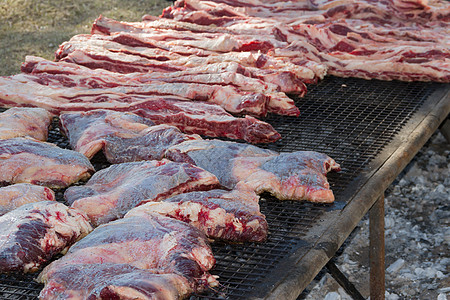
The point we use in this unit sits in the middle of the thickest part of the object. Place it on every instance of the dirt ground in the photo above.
(30, 27)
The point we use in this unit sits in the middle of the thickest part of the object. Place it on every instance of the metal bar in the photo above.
(376, 252)
(445, 129)
(351, 290)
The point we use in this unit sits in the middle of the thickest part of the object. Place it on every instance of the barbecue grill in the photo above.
(371, 128)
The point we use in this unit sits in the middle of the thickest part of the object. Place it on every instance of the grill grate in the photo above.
(351, 120)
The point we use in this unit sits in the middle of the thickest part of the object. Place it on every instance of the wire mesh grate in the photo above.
(351, 120)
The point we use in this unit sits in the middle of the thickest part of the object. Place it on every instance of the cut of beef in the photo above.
(113, 191)
(25, 122)
(152, 242)
(191, 117)
(35, 232)
(299, 175)
(113, 281)
(16, 195)
(25, 160)
(123, 137)
(226, 215)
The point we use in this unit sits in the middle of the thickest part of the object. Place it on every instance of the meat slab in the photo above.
(25, 122)
(113, 191)
(191, 117)
(24, 160)
(16, 195)
(35, 232)
(220, 214)
(113, 281)
(227, 84)
(123, 137)
(298, 175)
(128, 251)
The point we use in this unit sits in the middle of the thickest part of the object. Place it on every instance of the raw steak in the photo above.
(33, 233)
(152, 242)
(113, 191)
(113, 281)
(226, 215)
(16, 195)
(123, 137)
(25, 160)
(298, 175)
(25, 122)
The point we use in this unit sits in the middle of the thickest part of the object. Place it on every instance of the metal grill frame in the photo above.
(299, 241)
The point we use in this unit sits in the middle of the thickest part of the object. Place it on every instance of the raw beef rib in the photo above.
(123, 137)
(25, 122)
(113, 191)
(33, 233)
(220, 214)
(298, 175)
(152, 242)
(16, 195)
(25, 160)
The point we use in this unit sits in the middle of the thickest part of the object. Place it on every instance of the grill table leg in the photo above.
(376, 252)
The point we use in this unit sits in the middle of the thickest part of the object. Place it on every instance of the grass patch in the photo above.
(31, 27)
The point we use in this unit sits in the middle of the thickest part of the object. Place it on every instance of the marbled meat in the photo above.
(299, 175)
(24, 160)
(34, 233)
(116, 250)
(226, 215)
(113, 191)
(123, 137)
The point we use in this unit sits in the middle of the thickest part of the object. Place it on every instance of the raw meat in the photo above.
(235, 77)
(33, 233)
(113, 191)
(25, 122)
(16, 195)
(190, 117)
(152, 242)
(123, 137)
(298, 175)
(113, 281)
(402, 40)
(220, 214)
(25, 160)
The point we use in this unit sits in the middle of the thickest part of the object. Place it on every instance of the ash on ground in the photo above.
(417, 235)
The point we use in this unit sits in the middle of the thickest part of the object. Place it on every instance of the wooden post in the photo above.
(376, 231)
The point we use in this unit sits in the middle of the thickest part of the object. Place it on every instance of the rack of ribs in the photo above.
(113, 191)
(198, 117)
(226, 215)
(123, 137)
(25, 122)
(128, 251)
(35, 232)
(24, 160)
(16, 195)
(299, 175)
